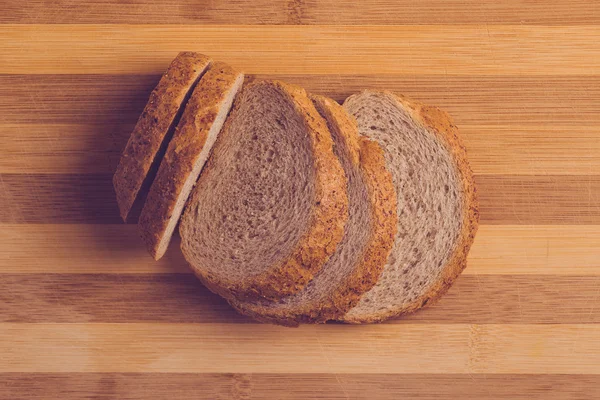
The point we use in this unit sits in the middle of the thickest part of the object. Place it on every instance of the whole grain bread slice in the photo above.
(270, 207)
(368, 235)
(186, 154)
(155, 128)
(437, 204)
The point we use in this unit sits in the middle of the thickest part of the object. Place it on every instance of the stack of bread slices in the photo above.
(294, 208)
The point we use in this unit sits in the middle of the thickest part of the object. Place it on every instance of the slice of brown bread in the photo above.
(270, 207)
(194, 137)
(155, 128)
(437, 205)
(368, 236)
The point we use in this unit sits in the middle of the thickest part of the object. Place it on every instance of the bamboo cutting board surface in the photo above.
(84, 311)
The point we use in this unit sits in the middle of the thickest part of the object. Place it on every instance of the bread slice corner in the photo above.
(154, 129)
(197, 131)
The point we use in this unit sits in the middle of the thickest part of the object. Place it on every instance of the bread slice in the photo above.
(155, 128)
(270, 207)
(437, 206)
(368, 236)
(194, 137)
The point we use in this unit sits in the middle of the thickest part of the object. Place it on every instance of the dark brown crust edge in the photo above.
(187, 143)
(368, 156)
(152, 129)
(440, 123)
(327, 221)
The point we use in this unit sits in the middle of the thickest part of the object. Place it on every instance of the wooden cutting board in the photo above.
(85, 313)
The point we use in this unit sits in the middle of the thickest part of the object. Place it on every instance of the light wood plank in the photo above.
(118, 249)
(250, 348)
(535, 249)
(180, 298)
(493, 150)
(498, 250)
(334, 12)
(545, 149)
(325, 386)
(504, 199)
(427, 49)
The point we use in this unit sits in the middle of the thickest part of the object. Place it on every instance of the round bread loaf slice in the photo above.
(201, 122)
(155, 127)
(270, 207)
(368, 235)
(437, 205)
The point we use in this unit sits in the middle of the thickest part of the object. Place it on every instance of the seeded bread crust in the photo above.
(442, 125)
(178, 170)
(329, 215)
(367, 157)
(154, 127)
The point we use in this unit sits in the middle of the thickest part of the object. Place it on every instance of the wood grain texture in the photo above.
(494, 150)
(39, 198)
(332, 50)
(535, 249)
(117, 249)
(543, 149)
(504, 199)
(261, 348)
(295, 12)
(63, 148)
(82, 248)
(539, 199)
(326, 386)
(490, 100)
(180, 298)
(510, 124)
(86, 314)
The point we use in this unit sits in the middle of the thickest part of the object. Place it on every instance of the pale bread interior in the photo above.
(349, 252)
(253, 202)
(430, 198)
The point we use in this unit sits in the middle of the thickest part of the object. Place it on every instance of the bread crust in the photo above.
(441, 124)
(185, 147)
(154, 125)
(326, 225)
(368, 156)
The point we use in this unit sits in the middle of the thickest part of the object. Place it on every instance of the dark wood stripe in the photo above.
(338, 12)
(516, 299)
(504, 199)
(148, 386)
(62, 199)
(541, 200)
(83, 148)
(110, 298)
(106, 99)
(180, 298)
(115, 100)
(69, 148)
